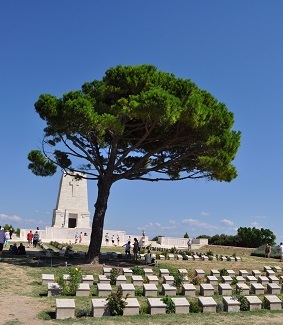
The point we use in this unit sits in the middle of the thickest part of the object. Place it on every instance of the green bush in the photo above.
(116, 303)
(223, 272)
(170, 307)
(83, 312)
(114, 273)
(244, 304)
(70, 286)
(194, 307)
(179, 279)
(137, 270)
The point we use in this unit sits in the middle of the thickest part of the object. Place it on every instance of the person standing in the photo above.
(136, 249)
(7, 237)
(29, 238)
(128, 249)
(35, 239)
(81, 237)
(267, 250)
(118, 240)
(281, 252)
(11, 232)
(107, 238)
(113, 240)
(2, 240)
(189, 244)
(76, 237)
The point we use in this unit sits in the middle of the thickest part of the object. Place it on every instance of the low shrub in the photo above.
(116, 303)
(170, 307)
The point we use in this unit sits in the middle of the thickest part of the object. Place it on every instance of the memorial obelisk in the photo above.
(72, 203)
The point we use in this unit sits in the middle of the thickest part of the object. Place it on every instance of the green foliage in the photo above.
(179, 279)
(154, 238)
(209, 253)
(137, 270)
(138, 291)
(243, 301)
(8, 227)
(196, 280)
(114, 273)
(70, 286)
(186, 235)
(234, 280)
(170, 307)
(83, 312)
(223, 272)
(116, 303)
(173, 250)
(194, 307)
(135, 123)
(219, 307)
(18, 231)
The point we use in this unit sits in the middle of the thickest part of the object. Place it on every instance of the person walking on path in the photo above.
(29, 238)
(35, 239)
(2, 240)
(7, 237)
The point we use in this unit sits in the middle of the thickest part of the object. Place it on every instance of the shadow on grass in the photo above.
(47, 315)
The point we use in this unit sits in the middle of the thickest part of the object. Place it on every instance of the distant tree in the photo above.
(186, 235)
(137, 123)
(155, 238)
(254, 237)
(8, 227)
(203, 236)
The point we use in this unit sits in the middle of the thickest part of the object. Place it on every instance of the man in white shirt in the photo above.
(2, 240)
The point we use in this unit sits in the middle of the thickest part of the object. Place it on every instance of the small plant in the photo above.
(170, 307)
(196, 280)
(223, 272)
(137, 270)
(228, 259)
(70, 286)
(219, 307)
(194, 307)
(234, 280)
(83, 312)
(244, 304)
(265, 304)
(179, 279)
(138, 291)
(173, 250)
(166, 254)
(209, 253)
(116, 303)
(114, 273)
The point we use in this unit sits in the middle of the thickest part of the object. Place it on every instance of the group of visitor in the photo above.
(32, 238)
(21, 250)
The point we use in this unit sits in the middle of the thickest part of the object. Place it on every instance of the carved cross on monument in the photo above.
(74, 185)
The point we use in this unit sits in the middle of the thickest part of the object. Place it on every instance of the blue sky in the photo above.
(233, 49)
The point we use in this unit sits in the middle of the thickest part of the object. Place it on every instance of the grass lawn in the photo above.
(21, 285)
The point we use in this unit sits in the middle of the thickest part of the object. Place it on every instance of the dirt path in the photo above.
(16, 307)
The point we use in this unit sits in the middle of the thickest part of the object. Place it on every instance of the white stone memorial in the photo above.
(72, 204)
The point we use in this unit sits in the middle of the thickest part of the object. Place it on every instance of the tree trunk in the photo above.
(104, 186)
